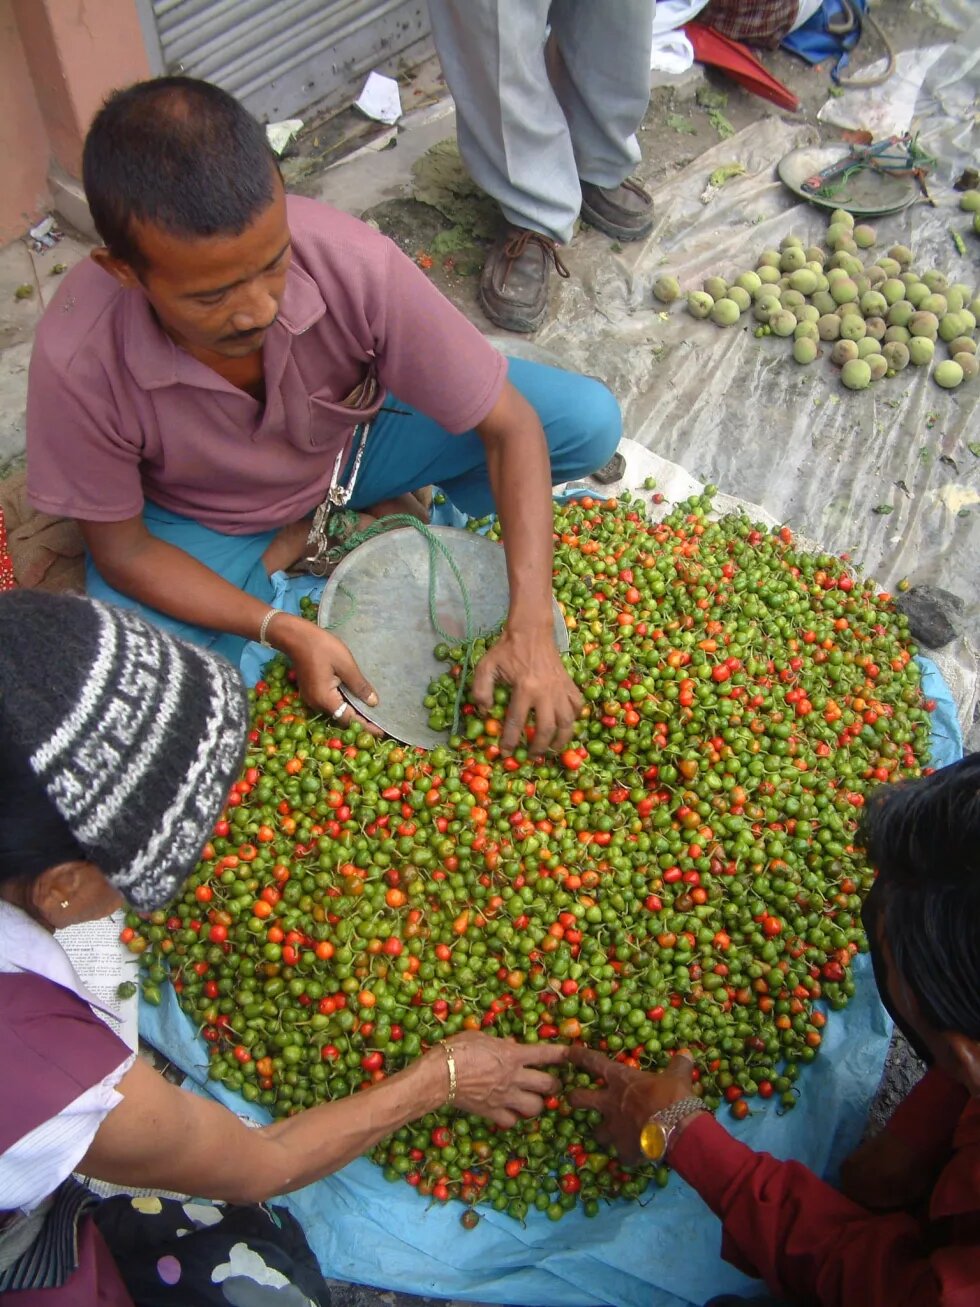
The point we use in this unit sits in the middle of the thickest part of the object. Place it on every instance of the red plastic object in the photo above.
(7, 581)
(710, 47)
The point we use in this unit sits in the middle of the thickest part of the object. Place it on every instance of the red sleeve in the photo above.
(926, 1119)
(810, 1243)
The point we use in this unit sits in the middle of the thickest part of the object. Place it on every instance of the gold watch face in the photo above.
(653, 1141)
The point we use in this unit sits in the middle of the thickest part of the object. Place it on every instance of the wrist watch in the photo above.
(656, 1135)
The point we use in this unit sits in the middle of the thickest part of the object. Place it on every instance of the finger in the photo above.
(370, 727)
(566, 729)
(343, 714)
(587, 1100)
(524, 1104)
(502, 1117)
(544, 1054)
(347, 669)
(604, 1136)
(484, 680)
(546, 728)
(515, 720)
(681, 1067)
(536, 1082)
(598, 1066)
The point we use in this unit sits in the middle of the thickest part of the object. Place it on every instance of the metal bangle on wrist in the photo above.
(263, 629)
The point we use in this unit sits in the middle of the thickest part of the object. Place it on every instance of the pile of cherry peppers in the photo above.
(684, 875)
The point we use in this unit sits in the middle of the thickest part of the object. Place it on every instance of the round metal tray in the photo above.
(868, 194)
(377, 602)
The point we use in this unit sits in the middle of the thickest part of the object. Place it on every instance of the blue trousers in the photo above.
(405, 450)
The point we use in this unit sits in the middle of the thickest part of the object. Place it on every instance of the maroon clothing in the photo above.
(53, 1048)
(819, 1249)
(96, 1282)
(116, 411)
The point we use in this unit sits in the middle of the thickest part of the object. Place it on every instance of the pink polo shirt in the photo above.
(117, 412)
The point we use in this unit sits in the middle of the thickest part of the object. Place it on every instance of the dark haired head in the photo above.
(180, 154)
(924, 839)
(33, 834)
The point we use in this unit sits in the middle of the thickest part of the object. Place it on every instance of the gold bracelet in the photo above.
(451, 1067)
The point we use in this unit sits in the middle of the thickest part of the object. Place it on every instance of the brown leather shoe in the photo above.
(514, 283)
(624, 212)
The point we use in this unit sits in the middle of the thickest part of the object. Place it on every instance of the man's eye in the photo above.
(210, 299)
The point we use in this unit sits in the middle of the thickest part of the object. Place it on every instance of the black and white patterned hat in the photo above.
(135, 736)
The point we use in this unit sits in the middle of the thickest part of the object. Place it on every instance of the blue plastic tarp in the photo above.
(815, 41)
(661, 1253)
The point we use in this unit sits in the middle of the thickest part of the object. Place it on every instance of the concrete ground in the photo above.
(374, 180)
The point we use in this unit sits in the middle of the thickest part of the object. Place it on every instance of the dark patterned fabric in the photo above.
(762, 22)
(192, 1254)
(52, 1258)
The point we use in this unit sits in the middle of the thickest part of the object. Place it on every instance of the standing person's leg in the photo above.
(600, 69)
(405, 449)
(514, 141)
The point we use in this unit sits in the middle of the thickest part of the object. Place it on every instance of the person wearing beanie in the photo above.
(118, 745)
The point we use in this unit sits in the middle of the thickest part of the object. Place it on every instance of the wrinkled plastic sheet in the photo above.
(738, 411)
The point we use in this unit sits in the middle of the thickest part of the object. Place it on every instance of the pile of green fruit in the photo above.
(873, 318)
(970, 203)
(683, 875)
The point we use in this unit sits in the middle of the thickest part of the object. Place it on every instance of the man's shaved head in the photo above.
(178, 154)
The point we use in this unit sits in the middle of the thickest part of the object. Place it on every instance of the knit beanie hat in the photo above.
(135, 736)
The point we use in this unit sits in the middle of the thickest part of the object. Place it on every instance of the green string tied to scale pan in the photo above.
(348, 540)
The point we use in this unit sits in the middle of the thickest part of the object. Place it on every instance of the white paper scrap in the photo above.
(381, 99)
(103, 964)
(280, 134)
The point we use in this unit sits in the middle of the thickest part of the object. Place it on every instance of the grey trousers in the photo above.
(531, 122)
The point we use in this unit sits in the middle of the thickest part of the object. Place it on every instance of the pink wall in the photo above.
(23, 140)
(58, 60)
(77, 50)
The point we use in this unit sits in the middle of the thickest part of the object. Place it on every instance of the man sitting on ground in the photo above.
(230, 356)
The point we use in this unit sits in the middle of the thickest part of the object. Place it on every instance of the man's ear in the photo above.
(116, 268)
(965, 1055)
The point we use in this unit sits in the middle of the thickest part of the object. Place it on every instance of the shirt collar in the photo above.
(155, 361)
(27, 946)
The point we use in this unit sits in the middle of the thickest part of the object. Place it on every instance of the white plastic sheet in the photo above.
(887, 109)
(739, 412)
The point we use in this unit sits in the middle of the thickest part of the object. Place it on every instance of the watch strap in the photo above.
(655, 1137)
(672, 1116)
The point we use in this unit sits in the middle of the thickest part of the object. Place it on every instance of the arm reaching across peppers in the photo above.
(906, 1230)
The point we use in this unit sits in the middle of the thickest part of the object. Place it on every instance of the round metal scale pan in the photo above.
(868, 194)
(377, 602)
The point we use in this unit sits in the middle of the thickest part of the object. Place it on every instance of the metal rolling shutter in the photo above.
(281, 56)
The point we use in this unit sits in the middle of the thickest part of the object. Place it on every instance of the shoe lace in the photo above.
(516, 245)
(631, 184)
